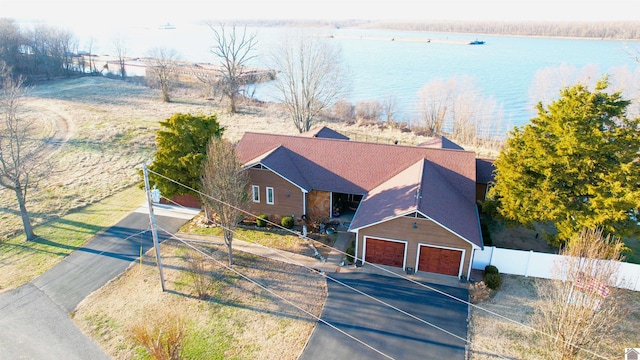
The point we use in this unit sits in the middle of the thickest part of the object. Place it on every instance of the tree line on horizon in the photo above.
(612, 30)
(44, 52)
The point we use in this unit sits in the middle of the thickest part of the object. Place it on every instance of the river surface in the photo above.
(510, 73)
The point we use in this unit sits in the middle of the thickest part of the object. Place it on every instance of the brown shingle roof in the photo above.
(325, 132)
(357, 167)
(441, 142)
(484, 171)
(421, 188)
(388, 176)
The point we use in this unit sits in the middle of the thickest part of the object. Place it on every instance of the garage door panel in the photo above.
(385, 252)
(439, 260)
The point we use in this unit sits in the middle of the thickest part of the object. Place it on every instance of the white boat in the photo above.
(167, 26)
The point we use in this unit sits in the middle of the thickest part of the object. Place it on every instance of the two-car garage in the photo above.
(429, 258)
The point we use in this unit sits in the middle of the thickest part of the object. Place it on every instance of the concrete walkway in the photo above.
(332, 263)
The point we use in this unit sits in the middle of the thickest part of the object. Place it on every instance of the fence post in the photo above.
(526, 269)
(493, 249)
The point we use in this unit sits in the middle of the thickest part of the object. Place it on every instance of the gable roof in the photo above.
(441, 142)
(325, 132)
(484, 171)
(388, 176)
(354, 167)
(280, 161)
(420, 188)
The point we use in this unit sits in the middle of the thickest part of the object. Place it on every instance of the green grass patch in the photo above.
(23, 260)
(269, 238)
(102, 324)
(207, 344)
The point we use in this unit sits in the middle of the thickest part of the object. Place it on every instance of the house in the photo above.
(408, 206)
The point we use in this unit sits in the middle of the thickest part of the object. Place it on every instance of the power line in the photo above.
(465, 340)
(264, 287)
(468, 303)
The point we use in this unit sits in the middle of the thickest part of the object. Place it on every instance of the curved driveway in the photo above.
(34, 318)
(389, 331)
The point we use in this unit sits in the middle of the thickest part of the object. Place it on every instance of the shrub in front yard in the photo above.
(493, 280)
(351, 252)
(287, 222)
(162, 335)
(261, 220)
(490, 269)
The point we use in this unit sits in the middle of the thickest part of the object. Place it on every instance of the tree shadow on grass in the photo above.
(239, 305)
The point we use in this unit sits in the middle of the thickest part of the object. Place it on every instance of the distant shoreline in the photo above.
(595, 30)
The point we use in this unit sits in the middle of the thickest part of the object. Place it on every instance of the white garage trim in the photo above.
(460, 267)
(364, 248)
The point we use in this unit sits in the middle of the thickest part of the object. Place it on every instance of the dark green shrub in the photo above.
(490, 269)
(351, 254)
(261, 220)
(287, 222)
(486, 235)
(493, 280)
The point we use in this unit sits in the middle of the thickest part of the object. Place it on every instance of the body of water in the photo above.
(513, 73)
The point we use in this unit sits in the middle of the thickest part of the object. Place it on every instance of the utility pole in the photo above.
(152, 219)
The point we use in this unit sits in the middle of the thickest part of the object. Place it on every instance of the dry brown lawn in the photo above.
(509, 335)
(238, 319)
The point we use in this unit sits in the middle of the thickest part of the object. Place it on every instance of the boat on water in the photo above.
(476, 42)
(167, 26)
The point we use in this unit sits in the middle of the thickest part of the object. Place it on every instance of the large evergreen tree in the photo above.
(575, 165)
(181, 150)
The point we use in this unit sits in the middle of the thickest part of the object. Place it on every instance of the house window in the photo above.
(255, 190)
(270, 196)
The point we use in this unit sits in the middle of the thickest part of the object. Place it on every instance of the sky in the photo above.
(128, 11)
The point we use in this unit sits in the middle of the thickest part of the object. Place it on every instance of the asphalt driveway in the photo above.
(34, 319)
(389, 331)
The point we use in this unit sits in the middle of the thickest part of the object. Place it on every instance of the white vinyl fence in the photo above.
(535, 264)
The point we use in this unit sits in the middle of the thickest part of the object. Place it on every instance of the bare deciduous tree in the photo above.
(199, 273)
(120, 47)
(434, 101)
(389, 108)
(456, 107)
(11, 41)
(577, 313)
(310, 77)
(344, 111)
(17, 146)
(161, 70)
(234, 49)
(548, 82)
(369, 110)
(225, 187)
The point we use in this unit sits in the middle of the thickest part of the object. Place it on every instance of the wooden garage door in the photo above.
(385, 252)
(438, 260)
